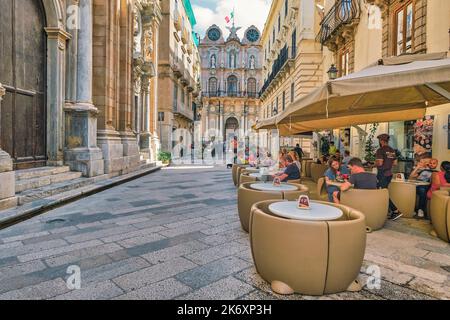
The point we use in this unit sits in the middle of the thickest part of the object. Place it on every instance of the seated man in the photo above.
(359, 179)
(423, 172)
(290, 172)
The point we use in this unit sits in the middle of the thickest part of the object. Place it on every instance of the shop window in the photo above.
(404, 31)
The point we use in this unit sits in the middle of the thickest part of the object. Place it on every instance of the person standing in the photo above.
(386, 158)
(299, 151)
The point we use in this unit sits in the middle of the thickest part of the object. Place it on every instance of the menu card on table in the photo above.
(303, 202)
(277, 182)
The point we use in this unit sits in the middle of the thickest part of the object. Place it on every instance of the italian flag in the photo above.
(230, 17)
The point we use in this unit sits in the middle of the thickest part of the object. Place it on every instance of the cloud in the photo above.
(247, 13)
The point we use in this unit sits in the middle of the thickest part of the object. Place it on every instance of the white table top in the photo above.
(415, 182)
(271, 187)
(317, 212)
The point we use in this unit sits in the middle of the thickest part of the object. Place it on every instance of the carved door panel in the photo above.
(23, 74)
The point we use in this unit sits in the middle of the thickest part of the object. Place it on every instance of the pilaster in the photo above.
(7, 175)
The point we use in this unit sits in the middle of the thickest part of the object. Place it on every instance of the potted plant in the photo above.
(370, 147)
(165, 157)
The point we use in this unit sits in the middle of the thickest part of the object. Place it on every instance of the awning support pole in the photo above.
(439, 90)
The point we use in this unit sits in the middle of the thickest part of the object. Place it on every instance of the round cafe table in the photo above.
(271, 187)
(414, 182)
(317, 211)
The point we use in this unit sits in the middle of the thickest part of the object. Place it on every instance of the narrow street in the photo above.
(176, 234)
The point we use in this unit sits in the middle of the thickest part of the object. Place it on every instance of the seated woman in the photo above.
(290, 172)
(335, 170)
(440, 179)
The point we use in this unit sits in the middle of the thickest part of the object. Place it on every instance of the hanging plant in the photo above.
(370, 147)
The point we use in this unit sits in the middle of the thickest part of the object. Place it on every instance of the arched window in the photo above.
(232, 86)
(251, 87)
(212, 86)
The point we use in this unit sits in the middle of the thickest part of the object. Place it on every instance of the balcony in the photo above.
(283, 62)
(177, 22)
(233, 94)
(180, 110)
(339, 22)
(185, 36)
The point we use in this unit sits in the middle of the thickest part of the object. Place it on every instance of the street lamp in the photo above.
(333, 72)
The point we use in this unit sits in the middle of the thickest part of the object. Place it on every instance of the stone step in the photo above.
(35, 183)
(57, 188)
(39, 172)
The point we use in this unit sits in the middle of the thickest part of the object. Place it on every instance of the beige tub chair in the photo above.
(294, 195)
(322, 190)
(308, 257)
(234, 173)
(440, 214)
(245, 177)
(247, 197)
(404, 197)
(374, 204)
(307, 168)
(317, 171)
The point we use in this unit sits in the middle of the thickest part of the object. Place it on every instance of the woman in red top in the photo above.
(440, 179)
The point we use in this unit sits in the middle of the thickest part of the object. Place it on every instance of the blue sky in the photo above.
(208, 12)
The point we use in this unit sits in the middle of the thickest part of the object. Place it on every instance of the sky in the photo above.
(247, 13)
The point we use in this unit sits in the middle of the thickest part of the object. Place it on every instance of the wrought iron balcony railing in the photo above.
(344, 12)
(279, 65)
(232, 93)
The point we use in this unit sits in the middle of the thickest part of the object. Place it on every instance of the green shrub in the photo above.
(165, 157)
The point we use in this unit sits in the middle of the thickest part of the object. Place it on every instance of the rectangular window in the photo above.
(286, 7)
(404, 32)
(344, 58)
(284, 100)
(292, 92)
(279, 23)
(294, 43)
(161, 116)
(183, 98)
(175, 97)
(276, 107)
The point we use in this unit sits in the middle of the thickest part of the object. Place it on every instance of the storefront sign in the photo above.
(423, 137)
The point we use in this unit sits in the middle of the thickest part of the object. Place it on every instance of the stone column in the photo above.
(7, 175)
(56, 70)
(82, 153)
(145, 135)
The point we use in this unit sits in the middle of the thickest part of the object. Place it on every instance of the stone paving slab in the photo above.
(170, 236)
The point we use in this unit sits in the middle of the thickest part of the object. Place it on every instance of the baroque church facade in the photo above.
(78, 87)
(231, 73)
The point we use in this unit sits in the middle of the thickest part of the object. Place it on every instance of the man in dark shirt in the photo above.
(291, 171)
(299, 151)
(386, 159)
(359, 179)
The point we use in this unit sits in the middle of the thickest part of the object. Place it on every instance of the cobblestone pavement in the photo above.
(176, 234)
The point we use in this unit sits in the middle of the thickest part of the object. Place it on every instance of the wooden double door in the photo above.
(23, 59)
